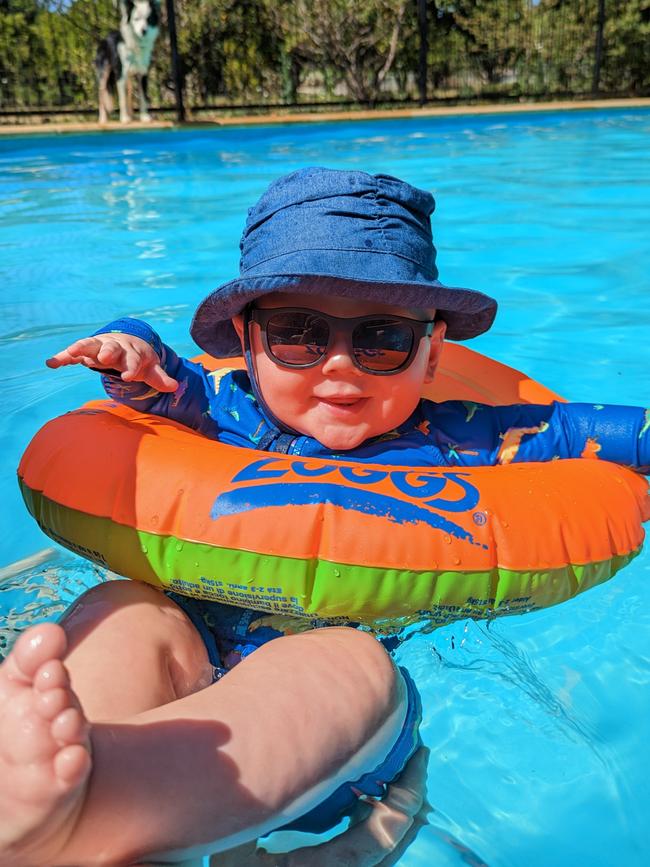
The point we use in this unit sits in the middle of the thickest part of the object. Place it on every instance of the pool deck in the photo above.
(323, 117)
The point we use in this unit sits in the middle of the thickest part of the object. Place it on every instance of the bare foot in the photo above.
(44, 749)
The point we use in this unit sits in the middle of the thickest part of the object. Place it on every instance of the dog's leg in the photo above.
(145, 117)
(123, 97)
(129, 96)
(105, 98)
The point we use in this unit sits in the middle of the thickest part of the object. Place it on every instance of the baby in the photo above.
(341, 319)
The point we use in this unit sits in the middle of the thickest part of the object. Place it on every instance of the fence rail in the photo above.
(229, 55)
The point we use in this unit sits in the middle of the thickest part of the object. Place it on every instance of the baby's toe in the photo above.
(38, 645)
(69, 727)
(72, 764)
(51, 675)
(53, 702)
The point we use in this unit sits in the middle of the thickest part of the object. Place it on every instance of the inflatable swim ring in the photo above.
(157, 502)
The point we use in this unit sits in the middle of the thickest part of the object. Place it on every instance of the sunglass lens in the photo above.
(382, 345)
(297, 338)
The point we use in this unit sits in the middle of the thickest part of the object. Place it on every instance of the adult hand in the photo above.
(380, 832)
(131, 357)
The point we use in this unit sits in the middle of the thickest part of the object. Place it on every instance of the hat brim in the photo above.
(467, 312)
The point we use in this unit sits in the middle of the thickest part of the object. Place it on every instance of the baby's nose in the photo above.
(338, 358)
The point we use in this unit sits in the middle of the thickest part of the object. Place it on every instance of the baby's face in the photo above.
(335, 402)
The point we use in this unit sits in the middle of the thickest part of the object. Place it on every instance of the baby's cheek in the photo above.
(403, 401)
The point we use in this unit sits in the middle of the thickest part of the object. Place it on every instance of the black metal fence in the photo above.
(233, 55)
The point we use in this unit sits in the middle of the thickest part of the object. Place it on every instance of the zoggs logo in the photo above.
(415, 496)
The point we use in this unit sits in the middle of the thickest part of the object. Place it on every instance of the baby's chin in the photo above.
(339, 439)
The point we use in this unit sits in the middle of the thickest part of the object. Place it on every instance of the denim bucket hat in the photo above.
(322, 232)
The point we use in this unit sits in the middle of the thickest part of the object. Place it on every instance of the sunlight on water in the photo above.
(41, 587)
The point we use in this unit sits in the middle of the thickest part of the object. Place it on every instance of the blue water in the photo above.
(537, 724)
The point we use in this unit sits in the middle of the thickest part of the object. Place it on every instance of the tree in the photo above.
(496, 33)
(18, 45)
(565, 35)
(233, 49)
(358, 41)
(627, 46)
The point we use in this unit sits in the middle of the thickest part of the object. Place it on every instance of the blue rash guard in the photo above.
(221, 405)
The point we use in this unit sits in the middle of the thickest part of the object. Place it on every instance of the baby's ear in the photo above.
(238, 325)
(435, 349)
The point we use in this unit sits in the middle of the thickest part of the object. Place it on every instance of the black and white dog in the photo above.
(126, 55)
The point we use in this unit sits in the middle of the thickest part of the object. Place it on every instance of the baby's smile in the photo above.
(341, 399)
(343, 409)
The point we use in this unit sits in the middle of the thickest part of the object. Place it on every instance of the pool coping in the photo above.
(278, 118)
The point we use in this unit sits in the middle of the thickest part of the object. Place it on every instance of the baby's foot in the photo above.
(44, 750)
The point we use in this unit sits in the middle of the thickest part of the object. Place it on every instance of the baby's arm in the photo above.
(620, 434)
(479, 435)
(139, 370)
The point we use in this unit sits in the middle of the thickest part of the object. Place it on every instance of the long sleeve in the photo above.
(473, 434)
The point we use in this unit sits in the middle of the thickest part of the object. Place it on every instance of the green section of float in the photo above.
(314, 588)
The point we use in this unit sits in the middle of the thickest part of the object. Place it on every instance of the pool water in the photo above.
(538, 723)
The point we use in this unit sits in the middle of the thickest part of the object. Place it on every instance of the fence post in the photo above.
(598, 53)
(424, 49)
(176, 69)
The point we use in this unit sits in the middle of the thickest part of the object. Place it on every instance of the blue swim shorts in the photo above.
(230, 634)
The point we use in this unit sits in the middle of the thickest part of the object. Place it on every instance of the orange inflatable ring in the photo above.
(135, 493)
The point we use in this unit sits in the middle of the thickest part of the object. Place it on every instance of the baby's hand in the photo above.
(129, 356)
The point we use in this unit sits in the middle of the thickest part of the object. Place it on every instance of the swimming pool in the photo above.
(537, 724)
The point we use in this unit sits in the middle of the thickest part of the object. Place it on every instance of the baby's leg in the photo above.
(226, 763)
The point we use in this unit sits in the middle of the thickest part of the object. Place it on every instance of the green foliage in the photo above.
(565, 36)
(47, 51)
(627, 47)
(229, 48)
(17, 44)
(495, 35)
(268, 51)
(358, 42)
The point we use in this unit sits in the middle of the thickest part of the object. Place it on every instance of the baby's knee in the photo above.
(129, 597)
(131, 648)
(361, 646)
(132, 616)
(118, 600)
(358, 659)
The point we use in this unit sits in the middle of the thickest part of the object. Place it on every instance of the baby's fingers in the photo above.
(143, 365)
(136, 361)
(156, 377)
(132, 357)
(82, 351)
(111, 354)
